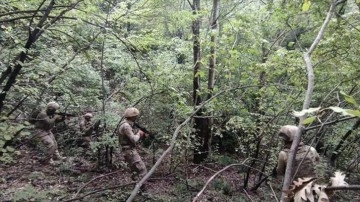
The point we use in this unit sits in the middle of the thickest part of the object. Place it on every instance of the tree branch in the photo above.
(36, 16)
(311, 78)
(213, 176)
(349, 187)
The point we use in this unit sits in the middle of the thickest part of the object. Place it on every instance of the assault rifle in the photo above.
(65, 114)
(151, 135)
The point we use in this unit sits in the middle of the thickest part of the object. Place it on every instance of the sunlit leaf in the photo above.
(353, 112)
(309, 120)
(305, 111)
(306, 5)
(349, 99)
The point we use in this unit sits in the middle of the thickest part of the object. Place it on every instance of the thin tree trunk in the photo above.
(200, 124)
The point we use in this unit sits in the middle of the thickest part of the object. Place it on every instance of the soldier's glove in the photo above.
(143, 134)
(60, 118)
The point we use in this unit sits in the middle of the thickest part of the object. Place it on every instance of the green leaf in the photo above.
(25, 133)
(349, 99)
(200, 74)
(309, 120)
(306, 5)
(353, 112)
(345, 112)
(7, 137)
(10, 149)
(2, 143)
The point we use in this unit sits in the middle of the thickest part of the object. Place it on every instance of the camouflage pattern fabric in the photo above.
(86, 131)
(306, 156)
(43, 125)
(128, 138)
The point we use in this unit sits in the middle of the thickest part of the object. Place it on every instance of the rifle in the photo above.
(152, 138)
(151, 135)
(96, 125)
(65, 114)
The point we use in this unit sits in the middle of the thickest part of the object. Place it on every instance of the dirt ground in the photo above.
(80, 179)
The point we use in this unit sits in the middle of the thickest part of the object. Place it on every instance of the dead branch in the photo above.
(349, 187)
(99, 190)
(213, 176)
(95, 178)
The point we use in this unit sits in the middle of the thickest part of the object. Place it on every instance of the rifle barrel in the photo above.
(64, 114)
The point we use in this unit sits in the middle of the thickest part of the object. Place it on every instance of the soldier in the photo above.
(86, 129)
(45, 121)
(128, 138)
(306, 156)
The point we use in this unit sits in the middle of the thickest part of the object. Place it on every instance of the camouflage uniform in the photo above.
(45, 121)
(306, 156)
(128, 138)
(86, 128)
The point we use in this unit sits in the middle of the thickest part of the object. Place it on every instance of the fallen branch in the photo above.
(95, 178)
(99, 190)
(349, 187)
(212, 177)
(247, 195)
(109, 188)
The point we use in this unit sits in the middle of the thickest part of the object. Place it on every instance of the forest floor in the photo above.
(79, 179)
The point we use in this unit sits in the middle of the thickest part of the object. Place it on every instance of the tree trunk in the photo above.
(200, 124)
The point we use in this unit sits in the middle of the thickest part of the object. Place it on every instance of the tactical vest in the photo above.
(47, 123)
(307, 166)
(123, 139)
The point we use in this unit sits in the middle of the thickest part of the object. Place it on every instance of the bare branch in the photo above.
(36, 16)
(349, 187)
(213, 176)
(95, 178)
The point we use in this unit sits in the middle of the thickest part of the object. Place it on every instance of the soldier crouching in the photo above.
(306, 156)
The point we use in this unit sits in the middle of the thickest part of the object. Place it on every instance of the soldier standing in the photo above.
(45, 121)
(306, 156)
(128, 138)
(86, 129)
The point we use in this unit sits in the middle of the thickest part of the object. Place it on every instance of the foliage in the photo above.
(104, 56)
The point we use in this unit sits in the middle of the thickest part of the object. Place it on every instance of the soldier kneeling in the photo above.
(306, 156)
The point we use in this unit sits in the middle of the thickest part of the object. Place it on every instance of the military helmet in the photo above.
(52, 105)
(131, 112)
(288, 132)
(88, 115)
